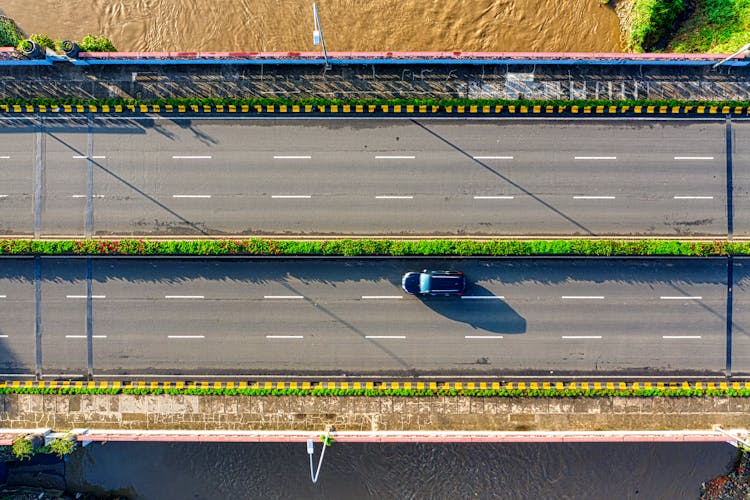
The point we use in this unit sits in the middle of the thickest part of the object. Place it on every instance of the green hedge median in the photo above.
(565, 104)
(410, 393)
(367, 247)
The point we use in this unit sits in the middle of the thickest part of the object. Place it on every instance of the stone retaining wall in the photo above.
(369, 413)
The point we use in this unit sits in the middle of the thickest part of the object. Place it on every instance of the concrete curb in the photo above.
(362, 110)
(376, 385)
(7, 436)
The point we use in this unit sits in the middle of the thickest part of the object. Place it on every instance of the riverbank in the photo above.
(695, 26)
(734, 485)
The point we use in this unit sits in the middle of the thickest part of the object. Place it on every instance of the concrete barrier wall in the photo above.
(369, 414)
(392, 57)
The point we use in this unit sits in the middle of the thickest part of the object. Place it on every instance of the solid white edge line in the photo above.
(382, 296)
(191, 196)
(283, 297)
(492, 157)
(184, 297)
(407, 157)
(84, 336)
(686, 297)
(693, 197)
(483, 336)
(693, 157)
(592, 297)
(481, 297)
(285, 336)
(593, 197)
(494, 197)
(386, 197)
(179, 157)
(85, 296)
(595, 157)
(680, 336)
(186, 336)
(385, 336)
(292, 157)
(282, 196)
(581, 336)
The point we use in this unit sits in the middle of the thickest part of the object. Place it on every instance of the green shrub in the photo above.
(22, 448)
(652, 21)
(23, 45)
(365, 247)
(669, 392)
(441, 104)
(43, 41)
(96, 43)
(63, 446)
(9, 35)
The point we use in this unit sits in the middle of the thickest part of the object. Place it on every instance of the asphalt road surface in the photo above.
(478, 177)
(595, 317)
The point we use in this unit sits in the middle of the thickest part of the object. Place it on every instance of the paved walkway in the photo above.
(7, 436)
(518, 80)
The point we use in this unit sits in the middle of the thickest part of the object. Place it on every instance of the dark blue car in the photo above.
(434, 283)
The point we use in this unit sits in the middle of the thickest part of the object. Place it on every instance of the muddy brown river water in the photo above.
(362, 25)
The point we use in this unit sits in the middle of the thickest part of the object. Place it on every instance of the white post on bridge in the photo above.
(318, 38)
(718, 429)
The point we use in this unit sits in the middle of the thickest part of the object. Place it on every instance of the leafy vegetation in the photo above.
(96, 43)
(652, 22)
(43, 41)
(9, 35)
(22, 448)
(443, 105)
(377, 392)
(23, 45)
(62, 446)
(716, 26)
(366, 247)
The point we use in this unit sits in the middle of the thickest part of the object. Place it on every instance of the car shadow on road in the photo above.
(480, 309)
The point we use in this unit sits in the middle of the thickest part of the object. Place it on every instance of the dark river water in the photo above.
(399, 471)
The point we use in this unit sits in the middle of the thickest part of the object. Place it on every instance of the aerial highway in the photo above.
(563, 317)
(154, 176)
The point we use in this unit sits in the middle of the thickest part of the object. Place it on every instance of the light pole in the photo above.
(743, 49)
(311, 450)
(318, 38)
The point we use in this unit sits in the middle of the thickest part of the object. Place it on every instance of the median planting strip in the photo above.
(368, 247)
(392, 389)
(364, 107)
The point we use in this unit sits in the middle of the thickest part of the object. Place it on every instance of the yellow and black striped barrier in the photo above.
(378, 385)
(375, 109)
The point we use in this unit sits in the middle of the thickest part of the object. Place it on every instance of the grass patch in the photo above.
(652, 22)
(366, 247)
(717, 26)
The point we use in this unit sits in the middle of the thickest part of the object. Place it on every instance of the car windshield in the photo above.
(425, 282)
